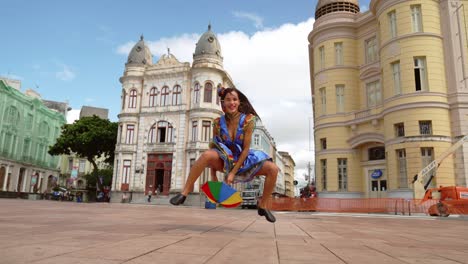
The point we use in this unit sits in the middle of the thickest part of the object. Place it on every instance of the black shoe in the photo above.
(178, 199)
(268, 215)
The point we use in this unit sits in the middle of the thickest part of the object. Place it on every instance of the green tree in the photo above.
(89, 138)
(106, 174)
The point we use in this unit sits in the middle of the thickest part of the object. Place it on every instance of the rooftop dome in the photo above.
(140, 54)
(208, 44)
(329, 6)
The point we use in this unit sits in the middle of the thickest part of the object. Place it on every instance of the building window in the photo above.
(371, 50)
(44, 129)
(126, 171)
(206, 132)
(323, 164)
(340, 98)
(70, 164)
(399, 129)
(420, 74)
(162, 126)
(392, 20)
(425, 127)
(208, 96)
(342, 174)
(29, 122)
(323, 143)
(339, 53)
(164, 96)
(82, 166)
(427, 156)
(256, 139)
(416, 18)
(322, 58)
(176, 95)
(323, 100)
(194, 130)
(132, 101)
(374, 94)
(152, 97)
(130, 131)
(376, 153)
(401, 164)
(196, 93)
(26, 147)
(396, 77)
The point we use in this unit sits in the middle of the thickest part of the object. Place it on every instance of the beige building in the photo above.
(390, 94)
(288, 173)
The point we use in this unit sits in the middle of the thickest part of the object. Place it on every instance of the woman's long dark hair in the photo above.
(244, 106)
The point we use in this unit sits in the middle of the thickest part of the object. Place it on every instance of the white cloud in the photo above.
(272, 68)
(257, 20)
(89, 100)
(66, 73)
(73, 115)
(363, 8)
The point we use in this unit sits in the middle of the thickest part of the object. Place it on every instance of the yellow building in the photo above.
(390, 94)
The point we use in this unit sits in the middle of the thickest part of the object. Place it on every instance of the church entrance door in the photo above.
(159, 172)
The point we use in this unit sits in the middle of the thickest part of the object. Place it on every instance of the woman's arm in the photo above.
(248, 130)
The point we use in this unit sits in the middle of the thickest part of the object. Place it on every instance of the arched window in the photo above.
(162, 132)
(164, 96)
(11, 116)
(152, 97)
(176, 95)
(196, 93)
(132, 101)
(208, 93)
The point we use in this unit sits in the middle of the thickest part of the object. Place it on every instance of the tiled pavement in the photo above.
(47, 232)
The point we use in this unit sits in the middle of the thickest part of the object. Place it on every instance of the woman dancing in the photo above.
(230, 151)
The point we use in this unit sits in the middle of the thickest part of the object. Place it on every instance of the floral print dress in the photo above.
(229, 149)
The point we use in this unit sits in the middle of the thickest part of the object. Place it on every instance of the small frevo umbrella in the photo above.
(221, 193)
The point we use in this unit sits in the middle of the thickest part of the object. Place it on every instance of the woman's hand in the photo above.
(230, 178)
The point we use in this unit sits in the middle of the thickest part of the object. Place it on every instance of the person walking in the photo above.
(149, 195)
(230, 151)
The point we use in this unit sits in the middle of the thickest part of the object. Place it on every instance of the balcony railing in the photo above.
(362, 114)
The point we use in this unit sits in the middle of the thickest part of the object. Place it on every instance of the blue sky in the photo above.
(76, 50)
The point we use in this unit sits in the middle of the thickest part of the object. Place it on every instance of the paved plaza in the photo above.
(47, 232)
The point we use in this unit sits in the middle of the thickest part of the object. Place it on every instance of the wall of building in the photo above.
(27, 129)
(351, 133)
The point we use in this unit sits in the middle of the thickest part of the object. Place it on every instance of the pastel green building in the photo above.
(28, 126)
(390, 94)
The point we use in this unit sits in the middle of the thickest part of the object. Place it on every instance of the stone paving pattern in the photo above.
(48, 232)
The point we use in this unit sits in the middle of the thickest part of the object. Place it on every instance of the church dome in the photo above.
(140, 54)
(329, 6)
(208, 44)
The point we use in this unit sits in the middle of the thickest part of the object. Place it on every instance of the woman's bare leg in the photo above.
(213, 175)
(209, 158)
(270, 170)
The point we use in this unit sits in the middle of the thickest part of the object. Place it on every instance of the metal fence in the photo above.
(355, 205)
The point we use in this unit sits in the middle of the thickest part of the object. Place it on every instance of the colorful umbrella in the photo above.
(220, 192)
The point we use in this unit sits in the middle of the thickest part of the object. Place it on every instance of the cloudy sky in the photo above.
(76, 52)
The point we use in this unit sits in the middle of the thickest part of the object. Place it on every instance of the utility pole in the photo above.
(308, 173)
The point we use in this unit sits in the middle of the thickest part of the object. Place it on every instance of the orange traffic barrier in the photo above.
(357, 205)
